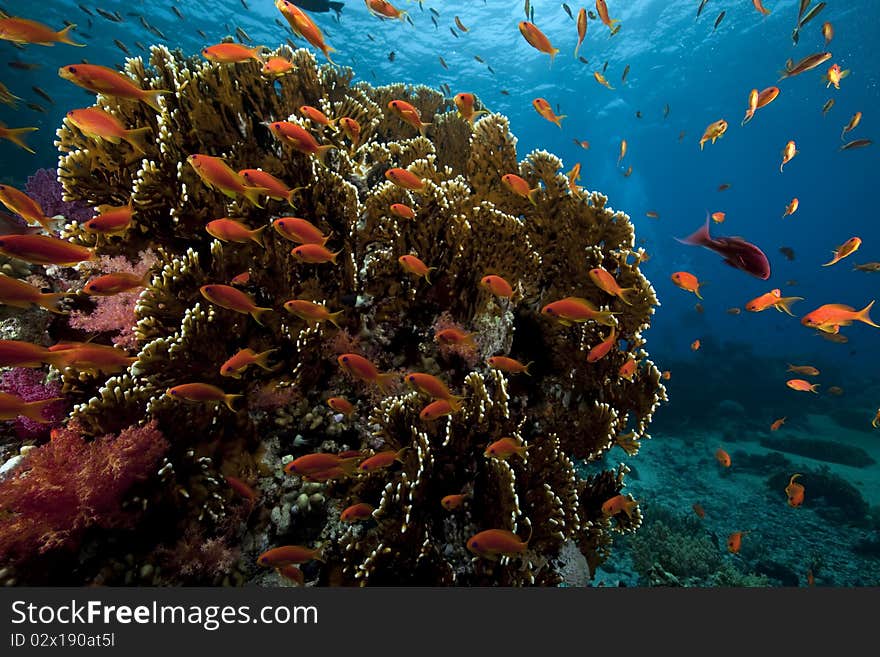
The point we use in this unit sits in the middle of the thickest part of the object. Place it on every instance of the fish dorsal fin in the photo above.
(588, 304)
(776, 293)
(839, 306)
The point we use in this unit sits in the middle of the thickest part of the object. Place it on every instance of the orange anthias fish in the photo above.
(229, 230)
(618, 504)
(24, 206)
(313, 464)
(494, 543)
(830, 317)
(405, 179)
(602, 10)
(497, 286)
(603, 279)
(719, 217)
(402, 210)
(22, 30)
(847, 248)
(603, 348)
(794, 491)
(601, 79)
(788, 153)
(300, 139)
(722, 457)
(802, 386)
(312, 312)
(44, 250)
(357, 512)
(806, 370)
(109, 284)
(103, 80)
(232, 53)
(777, 424)
(734, 541)
(287, 555)
(314, 254)
(231, 298)
(360, 368)
(351, 129)
(713, 131)
(453, 336)
(436, 409)
(384, 9)
(695, 345)
(806, 64)
(688, 282)
(202, 392)
(382, 460)
(408, 114)
(15, 136)
(622, 152)
(753, 105)
(277, 67)
(98, 124)
(504, 448)
(759, 5)
(759, 100)
(699, 510)
(520, 187)
(628, 369)
(11, 406)
(19, 294)
(16, 353)
(581, 29)
(236, 364)
(415, 266)
(465, 103)
(573, 176)
(275, 189)
(434, 387)
(537, 39)
(304, 26)
(543, 108)
(341, 405)
(575, 309)
(791, 208)
(299, 230)
(827, 32)
(452, 502)
(113, 220)
(834, 75)
(772, 299)
(509, 365)
(216, 174)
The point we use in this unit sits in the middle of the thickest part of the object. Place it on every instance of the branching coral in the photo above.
(466, 225)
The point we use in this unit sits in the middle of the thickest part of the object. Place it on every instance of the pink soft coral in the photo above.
(69, 485)
(31, 385)
(115, 313)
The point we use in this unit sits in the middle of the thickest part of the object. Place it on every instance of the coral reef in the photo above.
(467, 225)
(821, 450)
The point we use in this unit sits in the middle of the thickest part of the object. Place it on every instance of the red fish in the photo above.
(619, 503)
(794, 491)
(772, 299)
(113, 220)
(24, 206)
(509, 365)
(603, 348)
(603, 279)
(241, 488)
(504, 448)
(452, 502)
(546, 110)
(115, 283)
(11, 406)
(315, 115)
(802, 386)
(341, 405)
(520, 187)
(363, 370)
(357, 512)
(381, 460)
(602, 10)
(103, 80)
(581, 29)
(44, 250)
(722, 457)
(16, 353)
(575, 309)
(734, 541)
(230, 230)
(497, 286)
(22, 30)
(19, 294)
(311, 312)
(232, 53)
(688, 282)
(236, 364)
(405, 179)
(465, 103)
(434, 387)
(311, 464)
(216, 174)
(830, 317)
(275, 189)
(231, 298)
(537, 39)
(453, 336)
(408, 114)
(777, 424)
(277, 67)
(437, 409)
(299, 230)
(699, 510)
(314, 254)
(414, 265)
(628, 369)
(304, 26)
(202, 392)
(494, 543)
(300, 139)
(847, 248)
(287, 555)
(401, 210)
(737, 253)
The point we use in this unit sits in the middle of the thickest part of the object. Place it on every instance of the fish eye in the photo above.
(72, 69)
(345, 359)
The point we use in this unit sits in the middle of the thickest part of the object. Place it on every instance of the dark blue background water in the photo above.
(703, 74)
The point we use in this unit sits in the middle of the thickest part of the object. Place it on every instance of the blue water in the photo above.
(676, 59)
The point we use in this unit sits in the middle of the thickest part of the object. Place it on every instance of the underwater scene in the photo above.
(426, 293)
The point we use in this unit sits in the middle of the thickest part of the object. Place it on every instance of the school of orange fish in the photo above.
(312, 248)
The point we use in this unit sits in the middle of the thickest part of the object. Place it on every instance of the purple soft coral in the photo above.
(30, 385)
(45, 189)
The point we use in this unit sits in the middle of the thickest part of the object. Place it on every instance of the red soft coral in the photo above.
(69, 485)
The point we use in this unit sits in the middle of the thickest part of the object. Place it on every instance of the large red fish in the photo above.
(737, 253)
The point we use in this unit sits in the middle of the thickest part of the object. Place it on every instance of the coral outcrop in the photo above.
(222, 480)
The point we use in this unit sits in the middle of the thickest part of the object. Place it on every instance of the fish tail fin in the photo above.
(422, 127)
(863, 315)
(151, 97)
(553, 53)
(258, 312)
(400, 453)
(327, 50)
(455, 402)
(699, 238)
(291, 194)
(624, 292)
(332, 317)
(34, 410)
(784, 304)
(137, 138)
(349, 466)
(64, 37)
(333, 256)
(526, 368)
(558, 120)
(748, 117)
(813, 388)
(14, 135)
(51, 302)
(533, 195)
(257, 235)
(262, 360)
(832, 261)
(229, 400)
(322, 153)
